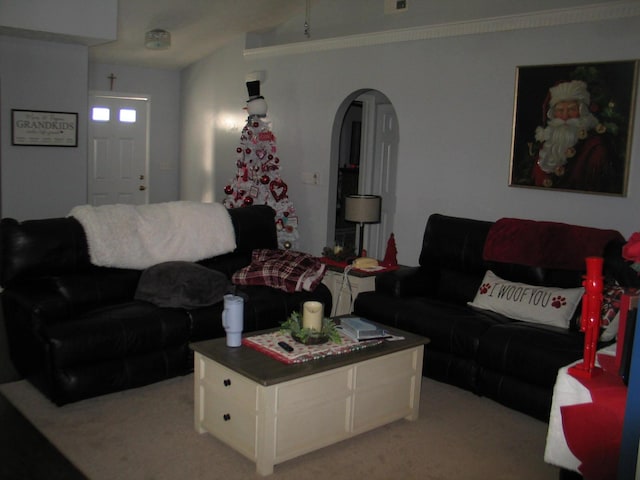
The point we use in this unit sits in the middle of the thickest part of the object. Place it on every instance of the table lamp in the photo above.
(362, 209)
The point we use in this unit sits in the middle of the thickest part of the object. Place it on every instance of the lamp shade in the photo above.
(362, 208)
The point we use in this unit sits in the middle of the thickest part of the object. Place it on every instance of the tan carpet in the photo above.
(148, 433)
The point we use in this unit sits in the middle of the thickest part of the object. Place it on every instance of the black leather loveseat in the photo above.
(513, 362)
(76, 331)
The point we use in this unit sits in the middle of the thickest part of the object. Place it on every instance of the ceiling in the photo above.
(200, 27)
(197, 27)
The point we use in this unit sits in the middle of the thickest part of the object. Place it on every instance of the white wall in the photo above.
(336, 18)
(454, 100)
(87, 21)
(163, 89)
(213, 97)
(39, 182)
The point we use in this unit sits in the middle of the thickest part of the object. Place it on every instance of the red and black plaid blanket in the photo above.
(282, 269)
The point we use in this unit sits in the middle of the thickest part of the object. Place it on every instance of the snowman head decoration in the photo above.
(256, 105)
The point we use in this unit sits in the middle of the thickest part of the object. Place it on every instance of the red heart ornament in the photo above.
(278, 189)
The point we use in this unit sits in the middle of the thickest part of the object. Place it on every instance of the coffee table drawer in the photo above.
(386, 369)
(230, 420)
(373, 407)
(303, 431)
(315, 390)
(225, 383)
(226, 405)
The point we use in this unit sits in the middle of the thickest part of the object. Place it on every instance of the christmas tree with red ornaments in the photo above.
(257, 181)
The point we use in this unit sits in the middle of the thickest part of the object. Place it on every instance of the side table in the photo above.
(585, 424)
(345, 285)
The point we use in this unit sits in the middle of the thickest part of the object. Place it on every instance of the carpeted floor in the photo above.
(148, 433)
(25, 453)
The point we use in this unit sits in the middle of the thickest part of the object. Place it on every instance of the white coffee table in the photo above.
(271, 411)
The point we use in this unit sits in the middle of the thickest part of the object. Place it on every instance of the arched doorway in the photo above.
(364, 153)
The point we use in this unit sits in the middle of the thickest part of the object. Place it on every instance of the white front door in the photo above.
(118, 149)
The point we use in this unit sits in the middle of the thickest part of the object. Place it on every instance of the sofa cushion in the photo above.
(115, 332)
(94, 287)
(520, 301)
(180, 284)
(449, 327)
(529, 352)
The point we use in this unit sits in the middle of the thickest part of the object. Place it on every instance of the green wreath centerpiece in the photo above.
(308, 336)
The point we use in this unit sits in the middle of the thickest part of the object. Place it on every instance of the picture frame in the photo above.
(572, 127)
(44, 128)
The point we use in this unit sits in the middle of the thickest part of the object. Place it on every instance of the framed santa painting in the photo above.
(572, 127)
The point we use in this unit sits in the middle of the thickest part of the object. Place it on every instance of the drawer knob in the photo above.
(226, 417)
(227, 382)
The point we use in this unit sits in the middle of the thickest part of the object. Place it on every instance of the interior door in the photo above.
(118, 149)
(380, 175)
(384, 176)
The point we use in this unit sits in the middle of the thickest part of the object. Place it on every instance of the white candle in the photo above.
(312, 315)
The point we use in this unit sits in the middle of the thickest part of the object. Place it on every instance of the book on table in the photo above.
(360, 329)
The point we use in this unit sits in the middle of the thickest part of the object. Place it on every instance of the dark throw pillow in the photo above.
(181, 285)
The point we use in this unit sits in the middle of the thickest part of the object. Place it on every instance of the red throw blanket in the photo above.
(282, 269)
(545, 244)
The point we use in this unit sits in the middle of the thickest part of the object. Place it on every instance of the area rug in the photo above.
(148, 433)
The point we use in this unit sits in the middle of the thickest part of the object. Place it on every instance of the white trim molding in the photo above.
(546, 18)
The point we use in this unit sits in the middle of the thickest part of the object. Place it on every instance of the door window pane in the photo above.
(127, 115)
(100, 114)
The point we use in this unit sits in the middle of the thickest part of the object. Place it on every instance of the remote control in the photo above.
(286, 346)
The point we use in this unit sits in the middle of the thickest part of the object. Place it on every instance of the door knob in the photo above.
(141, 177)
(142, 187)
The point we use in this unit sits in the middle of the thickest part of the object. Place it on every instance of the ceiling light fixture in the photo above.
(157, 39)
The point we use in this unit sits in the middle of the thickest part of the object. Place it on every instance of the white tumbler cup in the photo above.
(232, 319)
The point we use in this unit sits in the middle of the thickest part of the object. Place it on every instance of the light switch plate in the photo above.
(311, 178)
(395, 6)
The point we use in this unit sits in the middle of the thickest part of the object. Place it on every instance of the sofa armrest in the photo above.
(56, 298)
(405, 282)
(98, 287)
(37, 309)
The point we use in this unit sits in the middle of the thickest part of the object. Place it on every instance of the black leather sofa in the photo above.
(513, 362)
(76, 331)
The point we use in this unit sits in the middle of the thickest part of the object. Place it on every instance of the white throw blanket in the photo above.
(139, 236)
